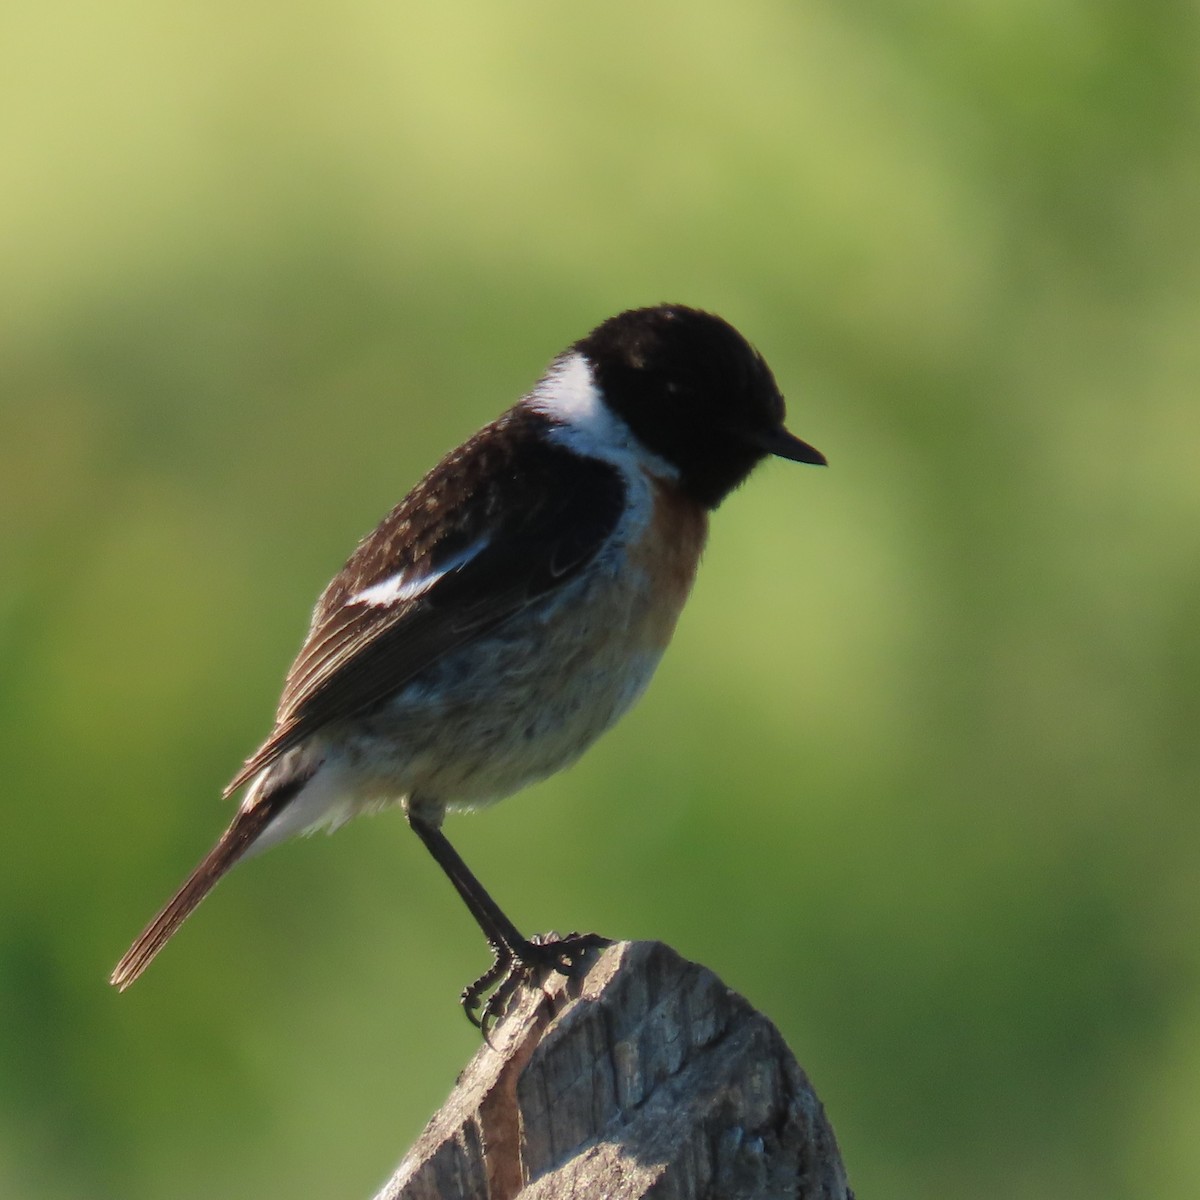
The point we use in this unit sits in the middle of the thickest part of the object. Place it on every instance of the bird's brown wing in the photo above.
(484, 534)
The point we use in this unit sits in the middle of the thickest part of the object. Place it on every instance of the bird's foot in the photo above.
(516, 965)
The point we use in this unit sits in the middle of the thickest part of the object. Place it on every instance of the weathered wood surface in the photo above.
(644, 1076)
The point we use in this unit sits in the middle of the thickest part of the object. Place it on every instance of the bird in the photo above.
(508, 610)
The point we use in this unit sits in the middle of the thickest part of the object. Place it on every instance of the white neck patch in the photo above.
(568, 394)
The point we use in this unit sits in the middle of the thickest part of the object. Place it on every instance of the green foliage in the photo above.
(919, 774)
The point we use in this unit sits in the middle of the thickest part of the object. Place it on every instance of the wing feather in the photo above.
(502, 521)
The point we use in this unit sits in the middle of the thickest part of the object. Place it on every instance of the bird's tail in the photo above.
(235, 841)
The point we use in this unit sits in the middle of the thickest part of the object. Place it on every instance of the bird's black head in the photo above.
(694, 392)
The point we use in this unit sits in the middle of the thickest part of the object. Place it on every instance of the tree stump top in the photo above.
(642, 1076)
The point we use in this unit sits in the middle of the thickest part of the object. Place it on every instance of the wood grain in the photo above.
(642, 1076)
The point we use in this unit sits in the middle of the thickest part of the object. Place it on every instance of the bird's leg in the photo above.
(501, 933)
(515, 955)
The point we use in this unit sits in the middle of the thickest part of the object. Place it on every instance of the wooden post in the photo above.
(642, 1076)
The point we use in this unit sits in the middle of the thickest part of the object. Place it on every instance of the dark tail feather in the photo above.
(235, 841)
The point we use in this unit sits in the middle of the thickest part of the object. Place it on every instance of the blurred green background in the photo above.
(919, 774)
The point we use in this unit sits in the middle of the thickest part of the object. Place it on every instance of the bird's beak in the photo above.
(783, 444)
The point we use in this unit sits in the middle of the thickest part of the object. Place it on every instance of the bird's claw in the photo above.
(514, 966)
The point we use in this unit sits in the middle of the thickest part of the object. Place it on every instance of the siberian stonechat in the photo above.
(510, 608)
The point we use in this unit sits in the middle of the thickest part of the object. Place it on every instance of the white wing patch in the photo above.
(409, 584)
